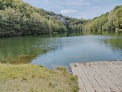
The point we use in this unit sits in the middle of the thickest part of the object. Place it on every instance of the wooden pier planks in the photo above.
(102, 76)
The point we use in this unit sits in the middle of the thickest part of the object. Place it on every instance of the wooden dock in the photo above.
(102, 76)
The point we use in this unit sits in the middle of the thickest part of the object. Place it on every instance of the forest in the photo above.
(106, 22)
(19, 18)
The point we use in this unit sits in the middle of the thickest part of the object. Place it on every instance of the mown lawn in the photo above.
(33, 78)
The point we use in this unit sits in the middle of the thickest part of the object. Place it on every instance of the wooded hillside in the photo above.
(20, 18)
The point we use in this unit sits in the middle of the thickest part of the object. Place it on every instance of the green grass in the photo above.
(33, 78)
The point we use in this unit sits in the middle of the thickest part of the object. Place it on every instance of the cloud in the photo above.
(68, 11)
(86, 9)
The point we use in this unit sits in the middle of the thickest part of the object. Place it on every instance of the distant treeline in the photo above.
(20, 18)
(107, 22)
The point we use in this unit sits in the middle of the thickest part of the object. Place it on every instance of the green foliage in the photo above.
(19, 18)
(75, 24)
(75, 89)
(73, 78)
(61, 69)
(106, 22)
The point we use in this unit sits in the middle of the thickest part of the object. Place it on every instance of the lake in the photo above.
(52, 50)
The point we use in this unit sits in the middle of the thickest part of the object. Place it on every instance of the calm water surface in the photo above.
(62, 49)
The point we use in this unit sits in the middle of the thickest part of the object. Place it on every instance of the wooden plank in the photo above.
(86, 82)
(99, 76)
(73, 69)
(112, 77)
(105, 79)
(99, 79)
(80, 82)
(92, 80)
(117, 67)
(116, 73)
(115, 62)
(111, 68)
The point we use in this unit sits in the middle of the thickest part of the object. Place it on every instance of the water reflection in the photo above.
(79, 49)
(54, 50)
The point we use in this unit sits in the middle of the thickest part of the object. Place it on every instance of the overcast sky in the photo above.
(85, 9)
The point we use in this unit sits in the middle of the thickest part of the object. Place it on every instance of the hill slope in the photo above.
(20, 18)
(107, 22)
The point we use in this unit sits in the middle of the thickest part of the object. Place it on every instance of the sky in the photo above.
(86, 9)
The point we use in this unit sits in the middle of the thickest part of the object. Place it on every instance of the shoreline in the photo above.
(36, 78)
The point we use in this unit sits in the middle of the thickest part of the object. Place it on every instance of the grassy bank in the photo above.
(33, 78)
